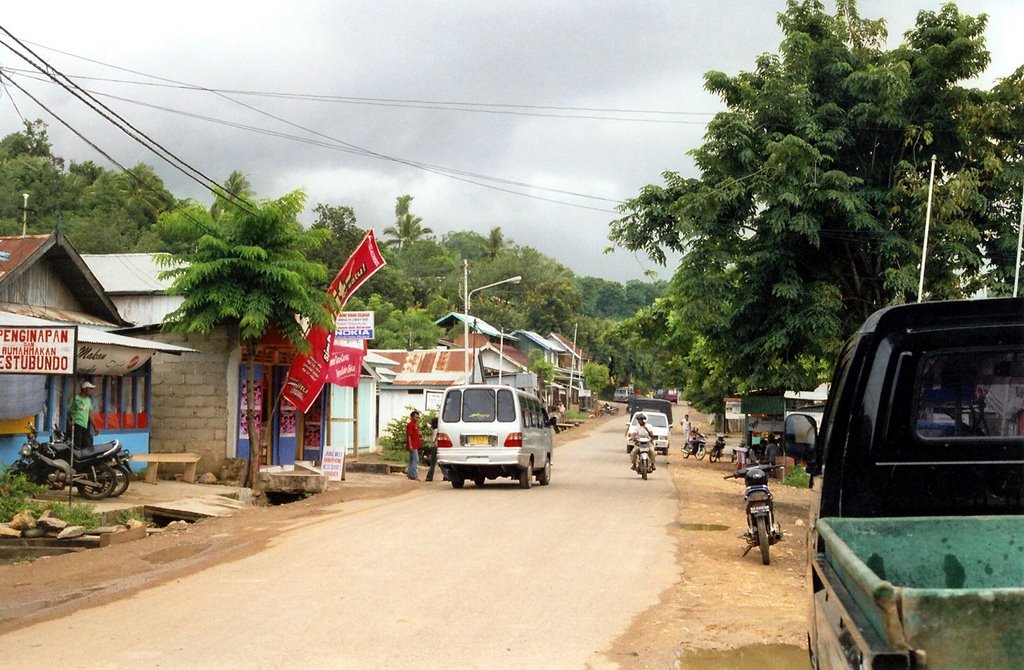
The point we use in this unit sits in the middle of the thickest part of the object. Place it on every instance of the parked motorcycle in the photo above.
(762, 531)
(694, 446)
(610, 409)
(49, 464)
(117, 458)
(645, 456)
(715, 454)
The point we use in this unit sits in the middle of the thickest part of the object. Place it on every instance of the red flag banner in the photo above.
(309, 371)
(346, 362)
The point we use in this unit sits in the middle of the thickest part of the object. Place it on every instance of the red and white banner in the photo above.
(309, 371)
(38, 350)
(346, 362)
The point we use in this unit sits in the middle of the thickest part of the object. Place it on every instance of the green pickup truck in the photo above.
(917, 548)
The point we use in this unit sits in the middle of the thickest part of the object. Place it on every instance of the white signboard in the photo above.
(433, 400)
(37, 350)
(333, 463)
(354, 326)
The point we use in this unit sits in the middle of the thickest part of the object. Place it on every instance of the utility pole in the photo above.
(927, 225)
(24, 217)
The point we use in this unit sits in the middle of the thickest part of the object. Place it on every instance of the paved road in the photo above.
(492, 577)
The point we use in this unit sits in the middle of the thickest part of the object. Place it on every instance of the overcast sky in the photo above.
(516, 100)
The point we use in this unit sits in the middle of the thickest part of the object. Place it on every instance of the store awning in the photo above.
(101, 352)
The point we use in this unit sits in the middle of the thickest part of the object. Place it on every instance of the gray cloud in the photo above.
(608, 55)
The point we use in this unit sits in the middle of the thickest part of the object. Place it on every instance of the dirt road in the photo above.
(709, 606)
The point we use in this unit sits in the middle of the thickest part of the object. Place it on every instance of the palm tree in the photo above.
(248, 270)
(235, 187)
(408, 228)
(495, 242)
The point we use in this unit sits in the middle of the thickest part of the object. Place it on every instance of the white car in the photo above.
(659, 425)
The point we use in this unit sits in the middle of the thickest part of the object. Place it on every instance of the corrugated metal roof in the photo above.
(476, 324)
(94, 335)
(53, 314)
(542, 341)
(128, 273)
(426, 367)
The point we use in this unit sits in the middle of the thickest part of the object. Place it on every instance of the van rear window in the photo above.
(481, 405)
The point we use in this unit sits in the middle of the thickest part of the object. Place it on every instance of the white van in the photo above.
(622, 393)
(488, 431)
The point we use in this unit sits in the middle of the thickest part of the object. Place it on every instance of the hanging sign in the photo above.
(37, 350)
(353, 326)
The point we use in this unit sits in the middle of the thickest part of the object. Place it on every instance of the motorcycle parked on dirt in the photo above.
(762, 531)
(117, 458)
(50, 464)
(694, 446)
(644, 462)
(715, 453)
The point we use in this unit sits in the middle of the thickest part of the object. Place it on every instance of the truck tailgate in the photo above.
(950, 586)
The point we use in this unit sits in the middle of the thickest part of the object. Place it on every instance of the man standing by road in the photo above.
(80, 416)
(413, 441)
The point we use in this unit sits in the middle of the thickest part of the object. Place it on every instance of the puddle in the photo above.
(701, 526)
(175, 553)
(772, 656)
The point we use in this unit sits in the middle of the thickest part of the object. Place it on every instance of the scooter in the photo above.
(644, 456)
(715, 454)
(49, 464)
(694, 446)
(762, 531)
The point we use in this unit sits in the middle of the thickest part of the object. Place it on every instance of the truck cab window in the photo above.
(970, 394)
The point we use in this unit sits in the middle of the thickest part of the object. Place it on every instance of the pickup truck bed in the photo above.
(948, 588)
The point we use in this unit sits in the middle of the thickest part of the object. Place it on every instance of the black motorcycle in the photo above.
(50, 464)
(715, 453)
(117, 458)
(762, 531)
(694, 446)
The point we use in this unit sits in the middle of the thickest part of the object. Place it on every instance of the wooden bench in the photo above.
(559, 427)
(153, 462)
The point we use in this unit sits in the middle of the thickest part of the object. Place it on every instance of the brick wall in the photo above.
(195, 398)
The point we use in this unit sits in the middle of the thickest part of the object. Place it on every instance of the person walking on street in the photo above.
(80, 416)
(413, 442)
(432, 447)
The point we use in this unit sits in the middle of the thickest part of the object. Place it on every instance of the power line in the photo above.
(116, 120)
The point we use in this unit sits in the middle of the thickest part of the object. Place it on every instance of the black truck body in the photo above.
(916, 556)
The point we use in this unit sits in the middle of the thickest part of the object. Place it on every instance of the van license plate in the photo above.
(478, 440)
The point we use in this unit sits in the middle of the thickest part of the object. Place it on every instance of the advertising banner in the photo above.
(346, 361)
(309, 372)
(37, 350)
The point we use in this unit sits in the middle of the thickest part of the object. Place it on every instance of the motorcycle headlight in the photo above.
(26, 450)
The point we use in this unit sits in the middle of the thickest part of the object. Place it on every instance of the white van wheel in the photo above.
(526, 476)
(544, 478)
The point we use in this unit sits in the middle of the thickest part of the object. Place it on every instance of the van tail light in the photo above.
(514, 440)
(443, 440)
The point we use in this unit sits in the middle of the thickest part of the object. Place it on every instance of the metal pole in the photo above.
(465, 318)
(927, 225)
(24, 217)
(1020, 242)
(501, 354)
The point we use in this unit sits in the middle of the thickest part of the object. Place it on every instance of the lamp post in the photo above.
(465, 310)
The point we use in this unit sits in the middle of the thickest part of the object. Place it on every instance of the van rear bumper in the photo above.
(468, 457)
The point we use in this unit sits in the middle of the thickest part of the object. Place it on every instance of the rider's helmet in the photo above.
(641, 417)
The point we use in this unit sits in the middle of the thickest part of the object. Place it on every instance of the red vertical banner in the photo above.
(346, 362)
(309, 371)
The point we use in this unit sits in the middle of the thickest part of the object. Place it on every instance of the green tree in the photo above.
(552, 306)
(344, 235)
(408, 228)
(495, 242)
(808, 213)
(596, 377)
(246, 270)
(235, 188)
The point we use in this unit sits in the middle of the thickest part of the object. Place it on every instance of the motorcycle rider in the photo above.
(641, 420)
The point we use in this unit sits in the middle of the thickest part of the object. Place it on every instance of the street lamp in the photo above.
(465, 310)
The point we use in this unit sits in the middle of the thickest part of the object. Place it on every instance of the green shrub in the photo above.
(797, 477)
(129, 515)
(392, 437)
(15, 493)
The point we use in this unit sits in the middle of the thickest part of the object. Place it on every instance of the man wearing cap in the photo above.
(80, 416)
